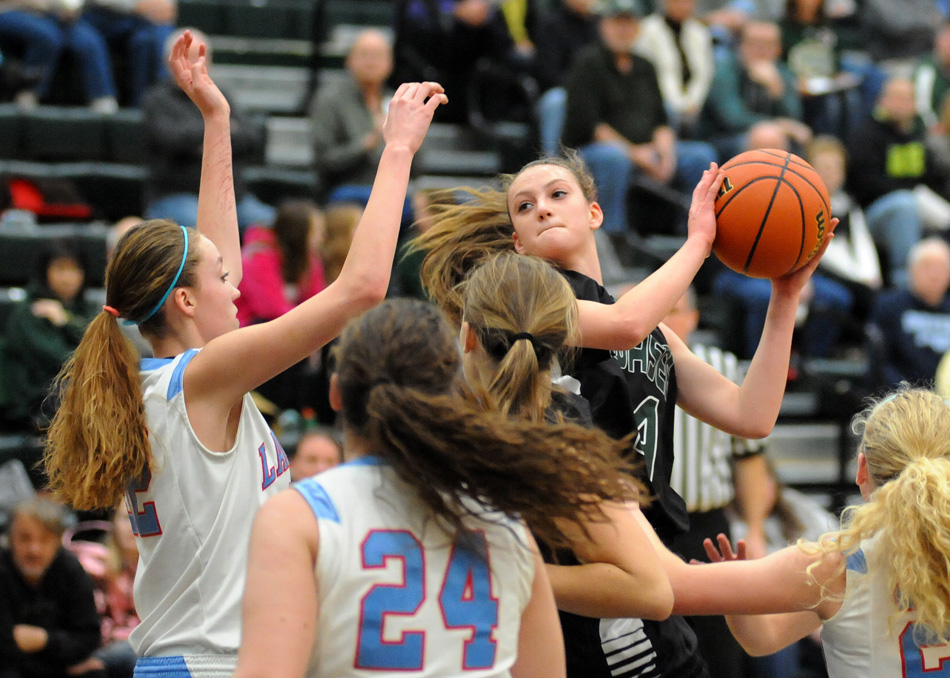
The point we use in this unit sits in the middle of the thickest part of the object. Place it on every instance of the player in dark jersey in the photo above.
(631, 373)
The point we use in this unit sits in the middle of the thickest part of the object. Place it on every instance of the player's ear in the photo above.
(335, 397)
(519, 246)
(596, 215)
(467, 338)
(183, 299)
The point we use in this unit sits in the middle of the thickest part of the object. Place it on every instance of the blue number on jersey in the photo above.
(925, 660)
(145, 521)
(467, 600)
(372, 651)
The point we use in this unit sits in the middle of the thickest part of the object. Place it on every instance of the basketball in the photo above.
(772, 213)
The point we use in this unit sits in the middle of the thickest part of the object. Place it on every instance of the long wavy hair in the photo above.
(465, 234)
(905, 438)
(399, 376)
(98, 440)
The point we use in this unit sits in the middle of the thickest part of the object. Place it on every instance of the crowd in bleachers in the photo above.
(648, 91)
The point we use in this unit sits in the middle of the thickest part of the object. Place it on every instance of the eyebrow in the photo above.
(553, 181)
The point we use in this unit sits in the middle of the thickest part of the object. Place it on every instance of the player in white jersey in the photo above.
(181, 439)
(406, 560)
(879, 588)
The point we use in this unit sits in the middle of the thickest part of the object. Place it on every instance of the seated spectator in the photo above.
(443, 41)
(282, 268)
(562, 32)
(174, 132)
(749, 87)
(932, 81)
(346, 119)
(136, 31)
(616, 118)
(898, 35)
(281, 265)
(851, 257)
(680, 48)
(834, 88)
(914, 323)
(341, 220)
(39, 31)
(119, 618)
(892, 165)
(319, 449)
(48, 620)
(43, 330)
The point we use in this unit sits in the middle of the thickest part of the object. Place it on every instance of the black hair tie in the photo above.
(524, 335)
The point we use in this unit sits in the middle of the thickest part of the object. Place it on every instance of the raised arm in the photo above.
(264, 350)
(625, 324)
(620, 574)
(280, 611)
(751, 410)
(217, 213)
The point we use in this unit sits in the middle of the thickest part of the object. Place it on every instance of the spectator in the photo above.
(43, 330)
(617, 121)
(120, 618)
(932, 80)
(40, 30)
(898, 34)
(319, 449)
(346, 117)
(443, 41)
(852, 257)
(136, 31)
(48, 618)
(709, 468)
(750, 87)
(282, 268)
(281, 265)
(174, 131)
(564, 31)
(341, 220)
(680, 48)
(892, 164)
(914, 323)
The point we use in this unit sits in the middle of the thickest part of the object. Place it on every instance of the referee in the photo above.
(710, 468)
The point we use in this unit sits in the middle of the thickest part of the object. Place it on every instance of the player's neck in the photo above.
(355, 446)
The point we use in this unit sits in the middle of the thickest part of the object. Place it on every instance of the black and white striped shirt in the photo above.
(702, 472)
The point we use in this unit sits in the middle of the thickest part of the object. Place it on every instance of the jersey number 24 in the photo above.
(466, 601)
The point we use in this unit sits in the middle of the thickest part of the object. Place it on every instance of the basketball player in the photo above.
(878, 589)
(406, 558)
(182, 439)
(630, 371)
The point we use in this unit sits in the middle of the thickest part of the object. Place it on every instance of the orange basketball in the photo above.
(772, 213)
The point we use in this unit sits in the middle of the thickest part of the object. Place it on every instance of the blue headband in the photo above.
(181, 267)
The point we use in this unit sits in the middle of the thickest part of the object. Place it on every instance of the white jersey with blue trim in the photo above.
(861, 642)
(192, 514)
(396, 595)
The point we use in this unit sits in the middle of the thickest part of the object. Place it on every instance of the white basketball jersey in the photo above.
(859, 641)
(192, 515)
(396, 596)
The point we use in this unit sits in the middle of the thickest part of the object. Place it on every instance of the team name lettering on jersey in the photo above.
(651, 358)
(271, 473)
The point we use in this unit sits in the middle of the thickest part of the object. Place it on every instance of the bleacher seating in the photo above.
(19, 249)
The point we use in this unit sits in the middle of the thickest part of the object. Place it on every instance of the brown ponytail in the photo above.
(98, 440)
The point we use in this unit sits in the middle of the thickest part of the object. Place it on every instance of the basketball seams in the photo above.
(806, 179)
(801, 210)
(765, 218)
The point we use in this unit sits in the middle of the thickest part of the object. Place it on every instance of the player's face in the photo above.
(215, 312)
(551, 216)
(315, 454)
(33, 547)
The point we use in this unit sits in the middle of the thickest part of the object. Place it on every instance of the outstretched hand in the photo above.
(189, 64)
(410, 112)
(724, 552)
(702, 209)
(794, 283)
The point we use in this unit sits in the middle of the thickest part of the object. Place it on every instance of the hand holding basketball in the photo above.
(773, 214)
(702, 211)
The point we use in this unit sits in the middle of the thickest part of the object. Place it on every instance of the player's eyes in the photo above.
(559, 193)
(523, 206)
(224, 278)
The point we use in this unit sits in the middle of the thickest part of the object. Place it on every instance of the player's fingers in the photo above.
(401, 90)
(711, 551)
(740, 550)
(725, 547)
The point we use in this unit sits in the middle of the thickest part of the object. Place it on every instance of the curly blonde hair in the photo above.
(905, 439)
